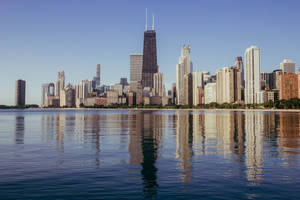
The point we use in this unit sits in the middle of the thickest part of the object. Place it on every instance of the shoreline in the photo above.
(155, 109)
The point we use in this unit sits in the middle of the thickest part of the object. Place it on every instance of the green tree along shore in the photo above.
(280, 104)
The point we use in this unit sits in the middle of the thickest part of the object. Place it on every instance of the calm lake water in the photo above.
(176, 154)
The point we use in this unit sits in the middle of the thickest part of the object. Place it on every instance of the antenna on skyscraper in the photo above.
(146, 27)
(152, 21)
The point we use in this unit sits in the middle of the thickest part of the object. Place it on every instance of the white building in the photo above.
(118, 88)
(252, 75)
(197, 83)
(210, 93)
(287, 66)
(183, 67)
(112, 97)
(158, 84)
(136, 65)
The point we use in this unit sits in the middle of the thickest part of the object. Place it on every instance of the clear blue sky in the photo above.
(40, 38)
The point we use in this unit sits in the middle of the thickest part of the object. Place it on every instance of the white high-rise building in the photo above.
(252, 75)
(183, 67)
(287, 66)
(136, 65)
(82, 90)
(197, 83)
(118, 88)
(48, 90)
(227, 86)
(158, 84)
(210, 93)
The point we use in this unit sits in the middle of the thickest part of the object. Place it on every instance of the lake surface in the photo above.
(176, 154)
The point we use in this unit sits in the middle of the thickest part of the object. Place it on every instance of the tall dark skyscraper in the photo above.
(20, 93)
(149, 56)
(96, 81)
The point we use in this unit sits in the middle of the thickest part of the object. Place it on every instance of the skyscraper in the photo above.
(188, 89)
(183, 67)
(20, 93)
(252, 75)
(96, 81)
(48, 90)
(240, 82)
(240, 67)
(123, 82)
(229, 85)
(287, 66)
(197, 86)
(158, 84)
(60, 83)
(149, 56)
(136, 65)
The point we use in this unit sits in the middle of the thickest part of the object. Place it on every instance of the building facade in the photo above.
(158, 85)
(287, 66)
(149, 58)
(228, 89)
(197, 86)
(288, 86)
(96, 83)
(136, 65)
(60, 83)
(252, 75)
(188, 89)
(210, 93)
(183, 67)
(48, 90)
(20, 95)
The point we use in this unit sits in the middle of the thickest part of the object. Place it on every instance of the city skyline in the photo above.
(37, 65)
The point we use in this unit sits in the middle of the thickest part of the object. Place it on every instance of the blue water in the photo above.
(113, 154)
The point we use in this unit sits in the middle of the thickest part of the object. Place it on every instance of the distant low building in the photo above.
(156, 100)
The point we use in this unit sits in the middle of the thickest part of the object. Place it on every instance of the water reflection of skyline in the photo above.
(19, 129)
(238, 136)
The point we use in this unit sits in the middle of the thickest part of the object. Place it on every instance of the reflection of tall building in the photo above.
(60, 132)
(239, 136)
(225, 132)
(146, 130)
(254, 124)
(198, 133)
(289, 133)
(19, 129)
(184, 142)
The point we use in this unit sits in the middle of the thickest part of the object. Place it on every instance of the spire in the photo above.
(146, 26)
(152, 21)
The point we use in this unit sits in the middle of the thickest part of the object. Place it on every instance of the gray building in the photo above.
(48, 90)
(287, 66)
(20, 93)
(188, 89)
(136, 65)
(96, 80)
